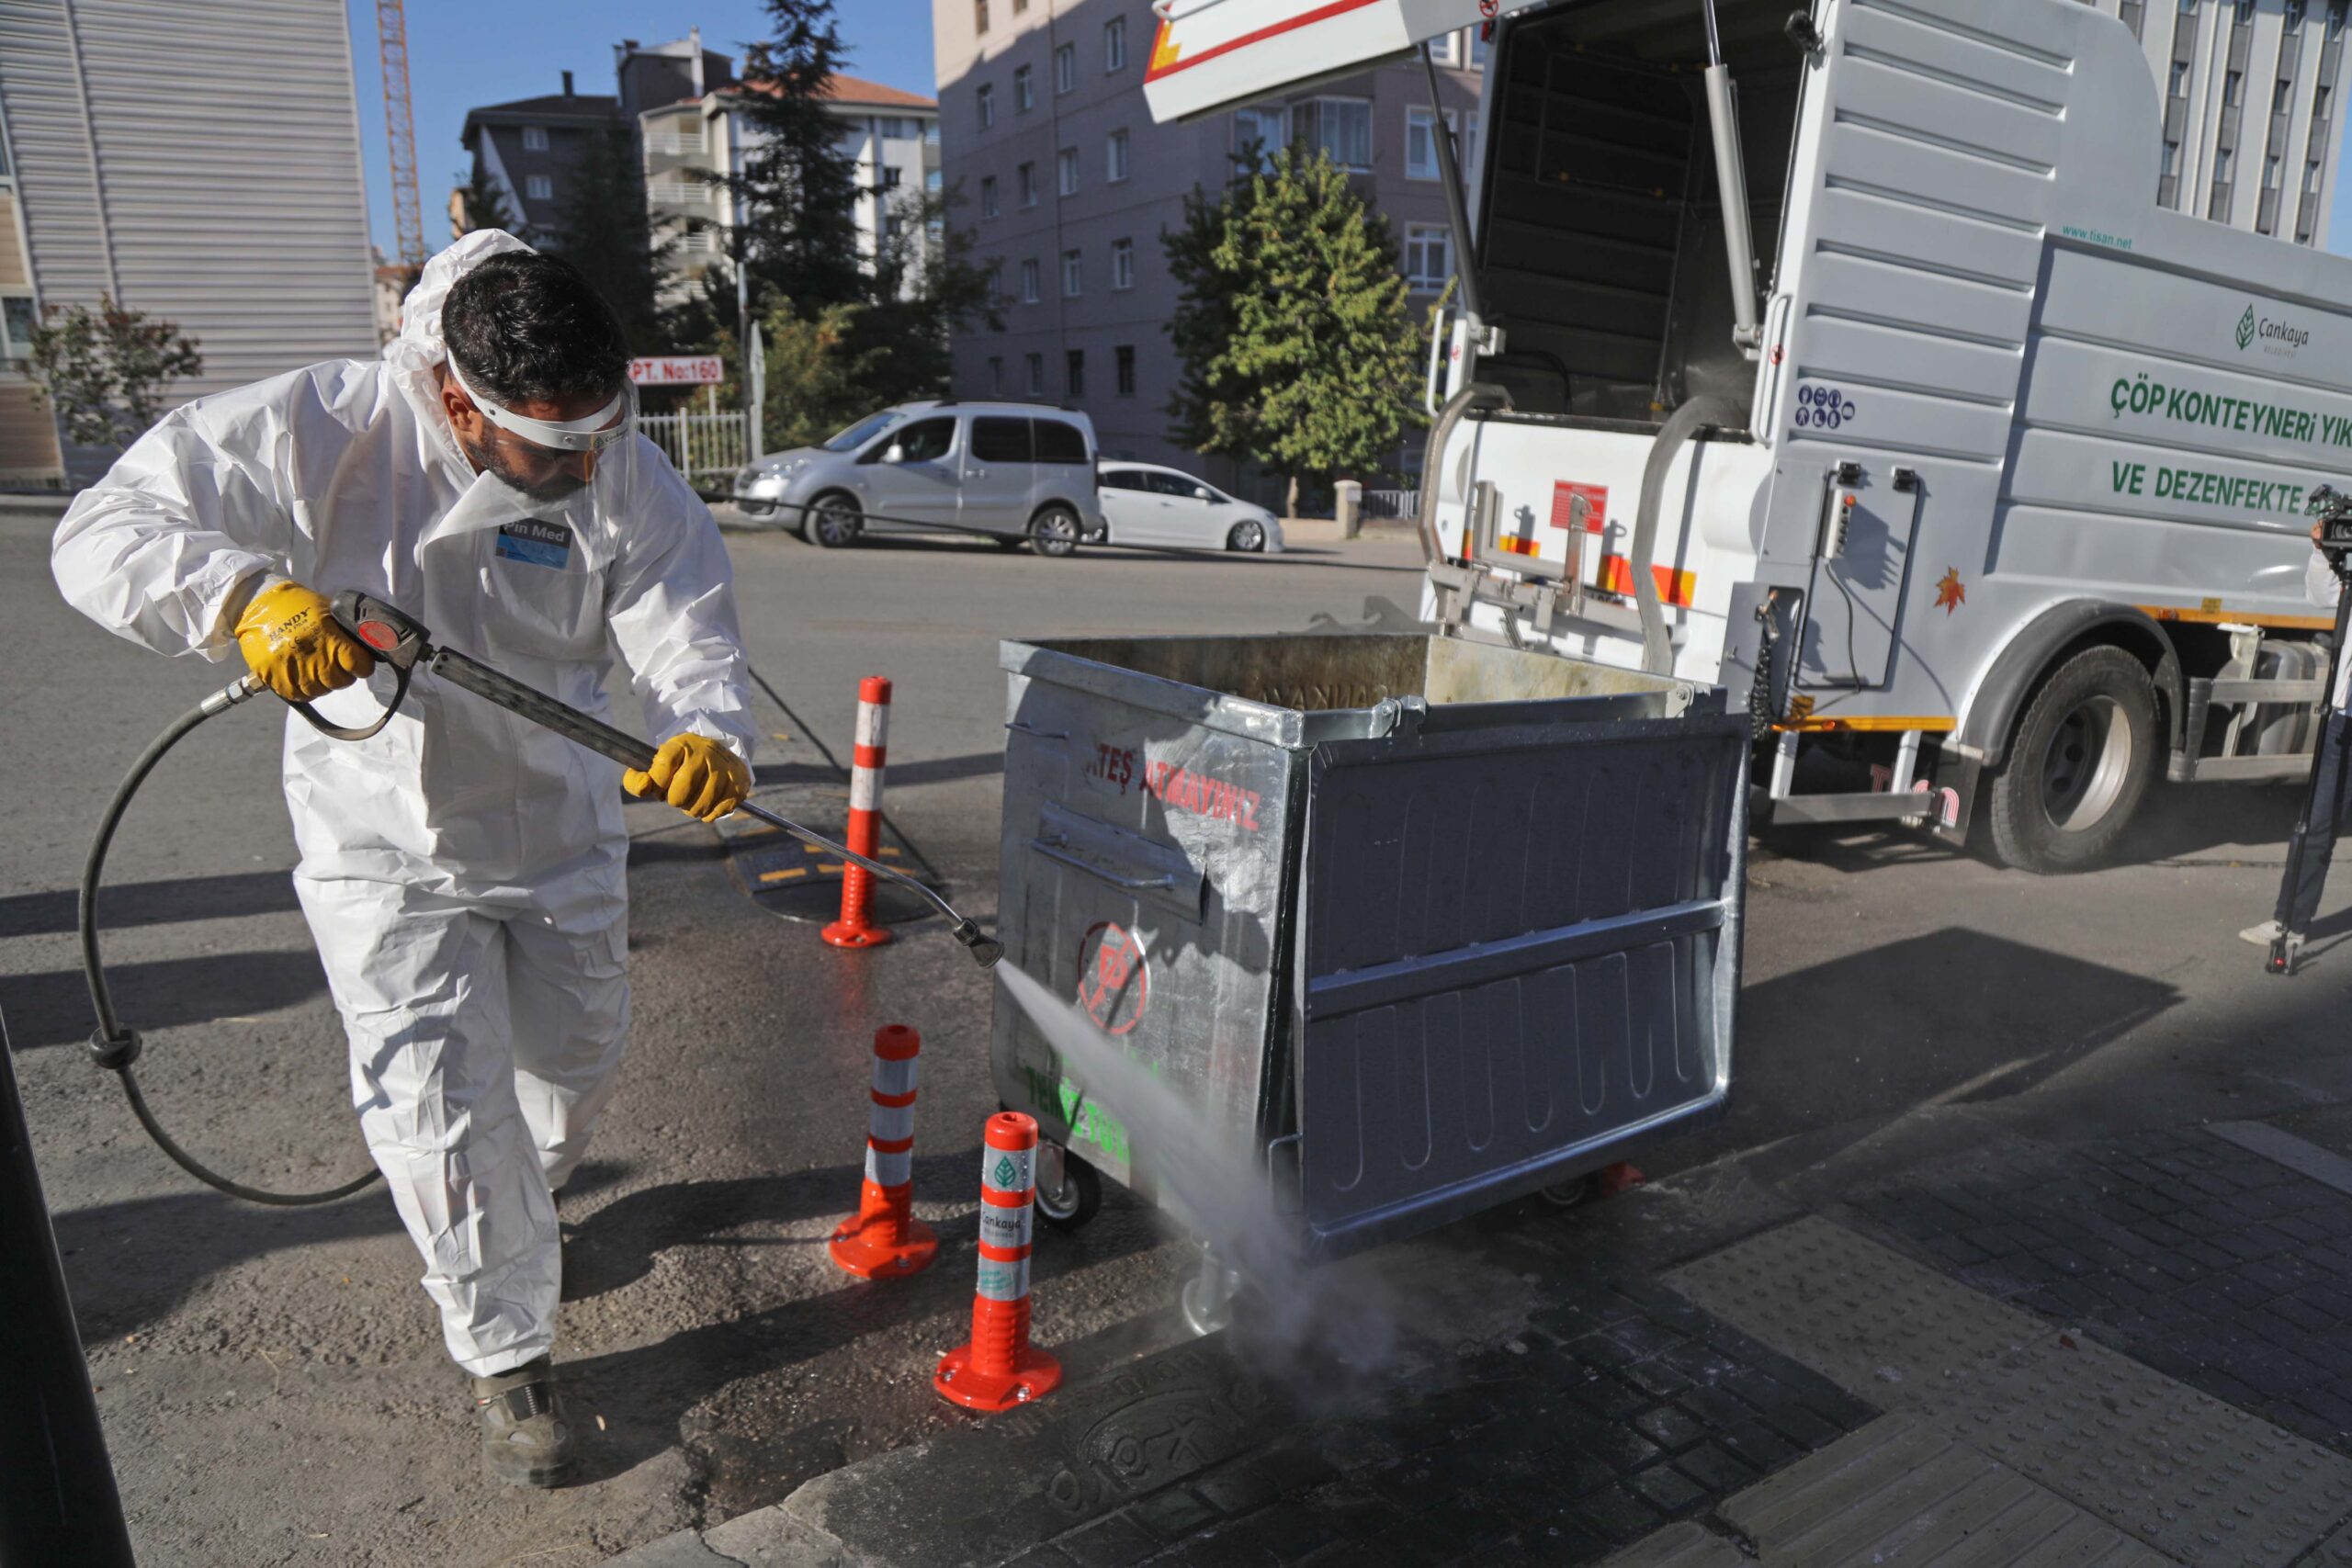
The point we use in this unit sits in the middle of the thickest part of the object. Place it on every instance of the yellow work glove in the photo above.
(292, 642)
(698, 776)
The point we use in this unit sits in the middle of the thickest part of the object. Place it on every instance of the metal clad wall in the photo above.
(228, 167)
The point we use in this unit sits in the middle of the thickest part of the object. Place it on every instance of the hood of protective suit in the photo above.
(419, 333)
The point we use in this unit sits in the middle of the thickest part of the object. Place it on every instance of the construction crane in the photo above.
(400, 130)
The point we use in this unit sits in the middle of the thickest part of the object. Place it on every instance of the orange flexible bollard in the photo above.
(883, 1237)
(1000, 1368)
(855, 929)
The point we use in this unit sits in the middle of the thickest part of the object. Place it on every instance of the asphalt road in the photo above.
(273, 1383)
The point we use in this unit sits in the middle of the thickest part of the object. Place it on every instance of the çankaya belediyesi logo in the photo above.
(2279, 338)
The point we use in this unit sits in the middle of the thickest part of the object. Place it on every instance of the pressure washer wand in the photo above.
(402, 640)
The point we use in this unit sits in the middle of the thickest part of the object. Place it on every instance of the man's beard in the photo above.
(559, 485)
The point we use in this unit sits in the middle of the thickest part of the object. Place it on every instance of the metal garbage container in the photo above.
(1429, 924)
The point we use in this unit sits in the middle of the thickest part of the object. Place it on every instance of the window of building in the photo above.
(1036, 377)
(2179, 78)
(1075, 373)
(2294, 14)
(1429, 256)
(1446, 49)
(2319, 101)
(996, 375)
(935, 181)
(989, 205)
(2272, 167)
(996, 284)
(1115, 156)
(1027, 175)
(2223, 158)
(980, 15)
(1267, 130)
(1343, 129)
(2312, 172)
(539, 187)
(20, 318)
(2245, 13)
(1073, 275)
(1123, 360)
(1024, 90)
(1066, 171)
(986, 97)
(890, 178)
(2234, 87)
(2171, 165)
(1029, 281)
(535, 139)
(1019, 6)
(1423, 152)
(2334, 17)
(1115, 44)
(1066, 68)
(1123, 264)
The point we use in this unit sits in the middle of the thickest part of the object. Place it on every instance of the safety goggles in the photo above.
(594, 433)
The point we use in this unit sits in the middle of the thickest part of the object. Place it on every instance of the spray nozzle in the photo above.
(986, 950)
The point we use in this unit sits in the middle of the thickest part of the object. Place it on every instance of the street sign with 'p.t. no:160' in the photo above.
(678, 370)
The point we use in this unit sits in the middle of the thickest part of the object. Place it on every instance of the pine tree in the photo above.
(798, 188)
(482, 205)
(602, 227)
(1297, 350)
(923, 286)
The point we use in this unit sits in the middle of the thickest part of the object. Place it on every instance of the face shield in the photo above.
(553, 489)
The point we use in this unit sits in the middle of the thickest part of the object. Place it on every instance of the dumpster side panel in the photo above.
(1518, 953)
(1144, 877)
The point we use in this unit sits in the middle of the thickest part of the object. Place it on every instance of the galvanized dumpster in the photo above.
(1431, 923)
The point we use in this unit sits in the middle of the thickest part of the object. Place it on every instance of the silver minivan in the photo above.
(1014, 471)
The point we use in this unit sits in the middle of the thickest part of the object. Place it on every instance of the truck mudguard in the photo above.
(2019, 667)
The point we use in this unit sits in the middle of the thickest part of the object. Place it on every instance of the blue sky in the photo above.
(463, 52)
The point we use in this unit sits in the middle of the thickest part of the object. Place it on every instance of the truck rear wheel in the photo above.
(2078, 765)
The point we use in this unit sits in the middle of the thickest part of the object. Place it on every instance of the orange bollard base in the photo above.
(1034, 1375)
(881, 1240)
(1000, 1368)
(842, 935)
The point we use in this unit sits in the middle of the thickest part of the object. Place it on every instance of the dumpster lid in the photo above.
(1215, 54)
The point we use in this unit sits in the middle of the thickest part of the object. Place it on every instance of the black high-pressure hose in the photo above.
(116, 1047)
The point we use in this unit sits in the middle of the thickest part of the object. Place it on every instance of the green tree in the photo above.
(1295, 349)
(482, 205)
(798, 188)
(104, 372)
(602, 227)
(923, 286)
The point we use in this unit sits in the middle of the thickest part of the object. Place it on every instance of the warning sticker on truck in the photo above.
(1570, 500)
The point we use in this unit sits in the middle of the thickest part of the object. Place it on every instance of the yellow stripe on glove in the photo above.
(698, 776)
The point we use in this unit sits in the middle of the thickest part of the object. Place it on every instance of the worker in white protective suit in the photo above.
(464, 871)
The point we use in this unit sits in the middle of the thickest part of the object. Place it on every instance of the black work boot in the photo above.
(525, 1439)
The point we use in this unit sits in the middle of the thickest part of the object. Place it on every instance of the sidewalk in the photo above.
(2136, 1351)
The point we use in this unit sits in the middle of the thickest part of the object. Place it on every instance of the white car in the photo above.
(1144, 504)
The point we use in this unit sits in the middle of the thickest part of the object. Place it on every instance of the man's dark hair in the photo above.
(525, 327)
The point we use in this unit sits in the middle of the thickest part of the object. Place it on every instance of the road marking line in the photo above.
(2298, 1155)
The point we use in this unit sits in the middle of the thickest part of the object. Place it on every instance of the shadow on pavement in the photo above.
(1956, 1017)
(154, 903)
(53, 1009)
(133, 1262)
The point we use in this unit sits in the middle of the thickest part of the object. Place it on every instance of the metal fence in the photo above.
(703, 446)
(1392, 503)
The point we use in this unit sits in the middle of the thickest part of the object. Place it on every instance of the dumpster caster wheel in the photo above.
(1206, 1300)
(1573, 1194)
(1068, 1197)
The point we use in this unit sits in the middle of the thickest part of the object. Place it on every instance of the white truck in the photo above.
(1993, 474)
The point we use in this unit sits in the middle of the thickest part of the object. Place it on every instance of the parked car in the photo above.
(1144, 504)
(1013, 471)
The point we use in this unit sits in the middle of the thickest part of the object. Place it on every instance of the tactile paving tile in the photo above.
(1900, 1492)
(1680, 1546)
(2201, 1481)
(1885, 1327)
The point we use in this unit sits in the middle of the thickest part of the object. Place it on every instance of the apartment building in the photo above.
(2251, 91)
(892, 136)
(1067, 183)
(232, 203)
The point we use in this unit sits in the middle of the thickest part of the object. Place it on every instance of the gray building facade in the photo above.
(1066, 184)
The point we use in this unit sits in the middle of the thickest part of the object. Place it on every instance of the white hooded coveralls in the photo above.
(464, 872)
